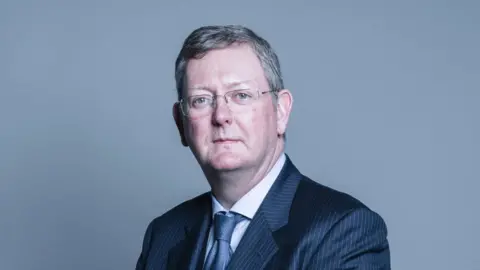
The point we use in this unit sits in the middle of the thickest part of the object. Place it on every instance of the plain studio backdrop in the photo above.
(386, 108)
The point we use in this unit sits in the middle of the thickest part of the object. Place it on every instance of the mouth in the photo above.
(225, 141)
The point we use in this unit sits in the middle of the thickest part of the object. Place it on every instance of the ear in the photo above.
(284, 107)
(178, 117)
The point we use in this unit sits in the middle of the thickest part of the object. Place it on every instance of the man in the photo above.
(261, 213)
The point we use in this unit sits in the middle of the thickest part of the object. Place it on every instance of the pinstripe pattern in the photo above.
(300, 225)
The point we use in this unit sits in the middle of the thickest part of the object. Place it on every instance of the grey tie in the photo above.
(220, 253)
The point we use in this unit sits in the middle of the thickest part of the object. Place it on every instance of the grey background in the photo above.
(386, 108)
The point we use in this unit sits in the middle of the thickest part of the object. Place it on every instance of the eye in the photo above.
(200, 101)
(243, 95)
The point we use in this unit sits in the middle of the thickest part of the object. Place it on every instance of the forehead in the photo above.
(225, 68)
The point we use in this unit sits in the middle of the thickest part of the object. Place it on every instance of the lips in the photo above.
(226, 140)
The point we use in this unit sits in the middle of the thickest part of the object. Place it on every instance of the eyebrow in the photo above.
(227, 85)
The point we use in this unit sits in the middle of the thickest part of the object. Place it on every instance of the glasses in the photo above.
(237, 100)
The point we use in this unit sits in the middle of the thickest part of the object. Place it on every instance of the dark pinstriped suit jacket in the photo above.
(300, 225)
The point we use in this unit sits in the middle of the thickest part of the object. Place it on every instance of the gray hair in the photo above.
(207, 38)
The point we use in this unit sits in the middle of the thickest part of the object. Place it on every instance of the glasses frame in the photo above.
(183, 104)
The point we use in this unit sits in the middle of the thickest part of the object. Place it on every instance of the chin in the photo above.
(226, 161)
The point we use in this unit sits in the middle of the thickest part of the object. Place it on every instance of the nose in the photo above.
(221, 112)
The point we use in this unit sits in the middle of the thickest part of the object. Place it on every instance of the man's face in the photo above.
(224, 139)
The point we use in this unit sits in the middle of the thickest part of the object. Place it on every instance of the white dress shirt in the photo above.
(247, 205)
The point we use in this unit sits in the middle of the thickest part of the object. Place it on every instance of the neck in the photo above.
(229, 187)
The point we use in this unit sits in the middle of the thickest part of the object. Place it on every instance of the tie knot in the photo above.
(225, 224)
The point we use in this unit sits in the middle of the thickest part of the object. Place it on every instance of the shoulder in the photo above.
(183, 214)
(324, 198)
(328, 207)
(167, 230)
(340, 227)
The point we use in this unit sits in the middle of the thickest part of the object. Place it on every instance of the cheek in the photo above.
(248, 121)
(255, 123)
(197, 131)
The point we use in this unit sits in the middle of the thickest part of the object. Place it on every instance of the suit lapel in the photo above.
(261, 240)
(188, 253)
(256, 247)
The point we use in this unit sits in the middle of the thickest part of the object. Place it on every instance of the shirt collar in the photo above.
(250, 202)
